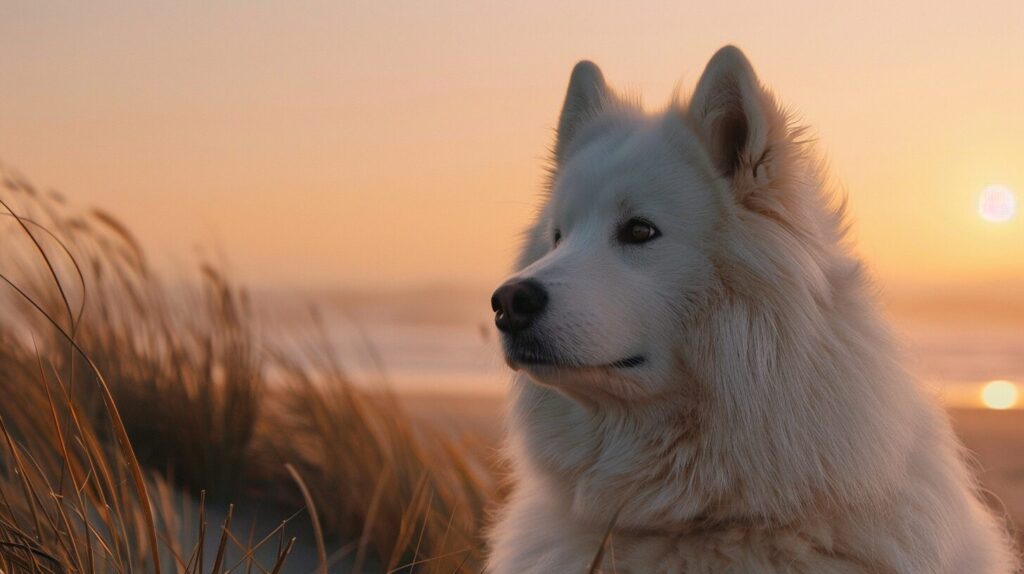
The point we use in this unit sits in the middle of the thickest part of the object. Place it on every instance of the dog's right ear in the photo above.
(585, 97)
(737, 118)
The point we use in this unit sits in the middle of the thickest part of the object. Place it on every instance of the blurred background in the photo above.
(383, 157)
(379, 159)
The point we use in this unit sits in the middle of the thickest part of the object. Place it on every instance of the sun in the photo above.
(997, 204)
(999, 395)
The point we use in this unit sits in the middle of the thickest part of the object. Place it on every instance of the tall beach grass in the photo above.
(146, 427)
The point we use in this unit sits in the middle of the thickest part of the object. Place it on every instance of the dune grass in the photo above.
(139, 424)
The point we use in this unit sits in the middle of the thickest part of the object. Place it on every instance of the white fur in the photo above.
(770, 428)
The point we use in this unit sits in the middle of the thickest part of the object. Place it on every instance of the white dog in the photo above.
(704, 383)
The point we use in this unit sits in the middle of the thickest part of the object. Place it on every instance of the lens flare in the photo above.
(997, 204)
(999, 395)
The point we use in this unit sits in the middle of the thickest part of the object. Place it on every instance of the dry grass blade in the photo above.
(202, 531)
(218, 561)
(282, 555)
(465, 552)
(20, 471)
(370, 522)
(77, 482)
(321, 550)
(253, 548)
(46, 259)
(407, 524)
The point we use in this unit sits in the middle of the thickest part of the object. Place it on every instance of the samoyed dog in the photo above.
(704, 384)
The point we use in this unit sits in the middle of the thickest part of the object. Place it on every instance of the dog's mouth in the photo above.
(629, 362)
(538, 360)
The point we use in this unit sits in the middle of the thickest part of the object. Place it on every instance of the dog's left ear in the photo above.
(737, 119)
(586, 95)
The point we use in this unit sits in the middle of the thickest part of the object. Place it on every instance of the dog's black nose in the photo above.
(517, 304)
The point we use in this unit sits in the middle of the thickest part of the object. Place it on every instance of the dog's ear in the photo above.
(585, 97)
(737, 119)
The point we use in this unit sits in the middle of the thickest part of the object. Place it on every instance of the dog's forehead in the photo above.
(638, 162)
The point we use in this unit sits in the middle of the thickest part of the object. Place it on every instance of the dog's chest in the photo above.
(723, 552)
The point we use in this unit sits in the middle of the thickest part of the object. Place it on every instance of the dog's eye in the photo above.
(636, 231)
(558, 237)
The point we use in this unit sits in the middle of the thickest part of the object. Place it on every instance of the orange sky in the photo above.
(383, 143)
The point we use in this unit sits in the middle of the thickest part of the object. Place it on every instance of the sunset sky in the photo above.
(403, 143)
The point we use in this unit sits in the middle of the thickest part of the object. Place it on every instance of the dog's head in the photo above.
(644, 215)
(691, 265)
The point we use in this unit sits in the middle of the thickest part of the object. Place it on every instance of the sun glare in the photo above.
(997, 204)
(999, 395)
